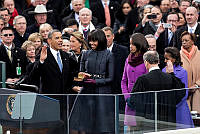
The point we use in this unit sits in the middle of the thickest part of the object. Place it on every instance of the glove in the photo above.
(130, 105)
(90, 81)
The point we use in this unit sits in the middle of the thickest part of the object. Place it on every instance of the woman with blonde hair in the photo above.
(44, 31)
(36, 38)
(30, 48)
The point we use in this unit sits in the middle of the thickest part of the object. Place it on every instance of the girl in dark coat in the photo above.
(95, 113)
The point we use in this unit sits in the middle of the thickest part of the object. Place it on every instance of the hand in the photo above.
(121, 29)
(68, 30)
(169, 67)
(43, 54)
(77, 88)
(173, 29)
(90, 81)
(84, 75)
(145, 19)
(160, 29)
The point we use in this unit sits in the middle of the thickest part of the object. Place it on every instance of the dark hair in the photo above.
(173, 13)
(3, 9)
(119, 14)
(98, 35)
(152, 57)
(192, 36)
(140, 42)
(180, 2)
(1, 18)
(7, 28)
(175, 54)
(71, 22)
(51, 33)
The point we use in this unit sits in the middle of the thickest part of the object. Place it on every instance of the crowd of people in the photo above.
(115, 45)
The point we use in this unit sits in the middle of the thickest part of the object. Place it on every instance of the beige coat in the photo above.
(192, 66)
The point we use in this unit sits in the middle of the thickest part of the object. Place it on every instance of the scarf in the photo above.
(14, 14)
(189, 54)
(135, 60)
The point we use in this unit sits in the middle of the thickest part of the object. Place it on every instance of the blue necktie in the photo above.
(59, 62)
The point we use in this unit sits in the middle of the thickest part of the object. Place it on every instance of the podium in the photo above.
(29, 113)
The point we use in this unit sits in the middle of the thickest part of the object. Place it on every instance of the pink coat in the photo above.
(129, 78)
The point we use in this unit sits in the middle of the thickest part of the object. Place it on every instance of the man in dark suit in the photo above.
(77, 5)
(156, 80)
(133, 17)
(21, 35)
(164, 35)
(14, 57)
(55, 69)
(150, 26)
(120, 54)
(192, 26)
(98, 11)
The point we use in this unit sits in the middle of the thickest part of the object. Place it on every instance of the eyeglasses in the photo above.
(6, 35)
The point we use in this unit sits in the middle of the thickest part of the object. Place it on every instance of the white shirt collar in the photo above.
(8, 47)
(110, 48)
(193, 28)
(153, 68)
(54, 52)
(108, 2)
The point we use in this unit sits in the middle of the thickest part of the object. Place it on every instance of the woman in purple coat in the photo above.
(183, 116)
(134, 67)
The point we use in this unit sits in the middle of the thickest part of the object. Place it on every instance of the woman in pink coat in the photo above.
(134, 67)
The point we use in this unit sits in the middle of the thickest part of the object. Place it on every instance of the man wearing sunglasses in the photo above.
(14, 57)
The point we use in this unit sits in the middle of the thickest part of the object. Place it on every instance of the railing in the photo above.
(26, 112)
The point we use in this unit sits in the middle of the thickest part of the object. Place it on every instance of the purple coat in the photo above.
(129, 78)
(183, 116)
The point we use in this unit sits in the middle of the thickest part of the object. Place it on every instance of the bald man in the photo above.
(192, 26)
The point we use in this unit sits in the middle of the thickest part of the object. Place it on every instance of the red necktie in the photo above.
(107, 14)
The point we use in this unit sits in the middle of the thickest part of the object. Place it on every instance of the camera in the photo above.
(197, 1)
(152, 16)
(167, 25)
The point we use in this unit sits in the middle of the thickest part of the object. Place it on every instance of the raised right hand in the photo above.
(43, 54)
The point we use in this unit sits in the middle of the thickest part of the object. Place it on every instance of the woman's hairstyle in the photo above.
(140, 42)
(27, 44)
(175, 54)
(35, 36)
(192, 36)
(98, 35)
(79, 36)
(119, 14)
(45, 25)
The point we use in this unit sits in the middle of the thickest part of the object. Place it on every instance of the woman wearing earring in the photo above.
(95, 113)
(77, 45)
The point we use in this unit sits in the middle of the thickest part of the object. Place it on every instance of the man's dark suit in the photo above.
(156, 80)
(19, 40)
(98, 12)
(72, 16)
(53, 81)
(147, 29)
(18, 59)
(162, 42)
(120, 54)
(185, 28)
